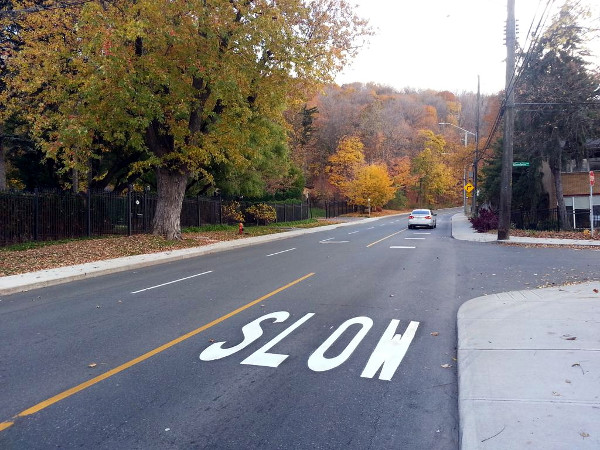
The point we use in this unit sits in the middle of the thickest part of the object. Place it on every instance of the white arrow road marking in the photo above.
(171, 282)
(329, 241)
(283, 251)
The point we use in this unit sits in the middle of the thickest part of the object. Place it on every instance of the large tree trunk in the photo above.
(171, 186)
(556, 169)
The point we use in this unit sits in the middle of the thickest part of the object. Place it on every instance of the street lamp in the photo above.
(475, 161)
(467, 132)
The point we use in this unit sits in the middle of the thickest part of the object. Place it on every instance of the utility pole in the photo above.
(476, 160)
(509, 118)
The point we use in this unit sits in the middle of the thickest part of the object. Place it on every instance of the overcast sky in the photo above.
(441, 44)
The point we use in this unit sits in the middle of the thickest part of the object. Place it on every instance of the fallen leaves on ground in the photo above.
(579, 235)
(90, 250)
(14, 262)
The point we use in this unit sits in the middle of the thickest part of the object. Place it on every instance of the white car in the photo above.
(422, 218)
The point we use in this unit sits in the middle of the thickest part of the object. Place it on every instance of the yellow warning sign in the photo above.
(469, 187)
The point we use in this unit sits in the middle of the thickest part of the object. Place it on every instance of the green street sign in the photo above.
(520, 164)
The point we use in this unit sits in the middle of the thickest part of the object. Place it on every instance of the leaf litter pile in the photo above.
(13, 262)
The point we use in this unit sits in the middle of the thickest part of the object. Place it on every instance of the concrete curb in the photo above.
(519, 377)
(50, 277)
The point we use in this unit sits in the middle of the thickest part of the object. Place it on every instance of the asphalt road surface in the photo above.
(337, 339)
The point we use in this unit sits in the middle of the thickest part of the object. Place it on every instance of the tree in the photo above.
(372, 186)
(434, 177)
(188, 84)
(346, 162)
(558, 85)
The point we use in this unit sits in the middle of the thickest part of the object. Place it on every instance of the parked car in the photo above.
(422, 218)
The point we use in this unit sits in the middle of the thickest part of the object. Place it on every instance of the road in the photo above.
(288, 344)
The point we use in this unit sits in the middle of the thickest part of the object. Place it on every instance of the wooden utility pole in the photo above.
(476, 159)
(509, 119)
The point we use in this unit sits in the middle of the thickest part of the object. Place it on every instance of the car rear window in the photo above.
(421, 211)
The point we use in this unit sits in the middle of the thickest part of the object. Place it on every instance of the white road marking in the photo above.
(421, 233)
(261, 357)
(319, 363)
(371, 228)
(171, 282)
(283, 251)
(390, 351)
(325, 240)
(354, 232)
(400, 246)
(415, 239)
(334, 242)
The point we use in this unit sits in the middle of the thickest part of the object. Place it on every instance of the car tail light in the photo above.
(411, 217)
(428, 217)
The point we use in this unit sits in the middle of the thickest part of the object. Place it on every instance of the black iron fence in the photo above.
(547, 219)
(335, 209)
(541, 219)
(44, 216)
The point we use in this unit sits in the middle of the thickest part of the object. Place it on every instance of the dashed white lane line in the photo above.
(400, 246)
(283, 251)
(171, 282)
(354, 232)
(415, 239)
(371, 228)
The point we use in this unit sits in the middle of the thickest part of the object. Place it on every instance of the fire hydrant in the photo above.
(241, 228)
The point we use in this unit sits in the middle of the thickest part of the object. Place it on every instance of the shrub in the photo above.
(262, 212)
(232, 213)
(486, 221)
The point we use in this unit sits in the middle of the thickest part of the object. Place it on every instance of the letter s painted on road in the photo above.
(252, 331)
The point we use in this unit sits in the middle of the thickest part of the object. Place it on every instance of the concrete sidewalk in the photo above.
(529, 369)
(529, 363)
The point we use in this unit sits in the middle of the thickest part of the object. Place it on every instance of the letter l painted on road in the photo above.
(261, 358)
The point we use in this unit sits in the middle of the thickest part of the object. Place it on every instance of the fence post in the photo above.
(89, 212)
(199, 212)
(129, 188)
(36, 216)
(220, 210)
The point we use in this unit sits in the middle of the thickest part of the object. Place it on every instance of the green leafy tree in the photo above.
(559, 86)
(186, 84)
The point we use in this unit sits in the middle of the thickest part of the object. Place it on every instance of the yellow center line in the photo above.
(145, 356)
(387, 237)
